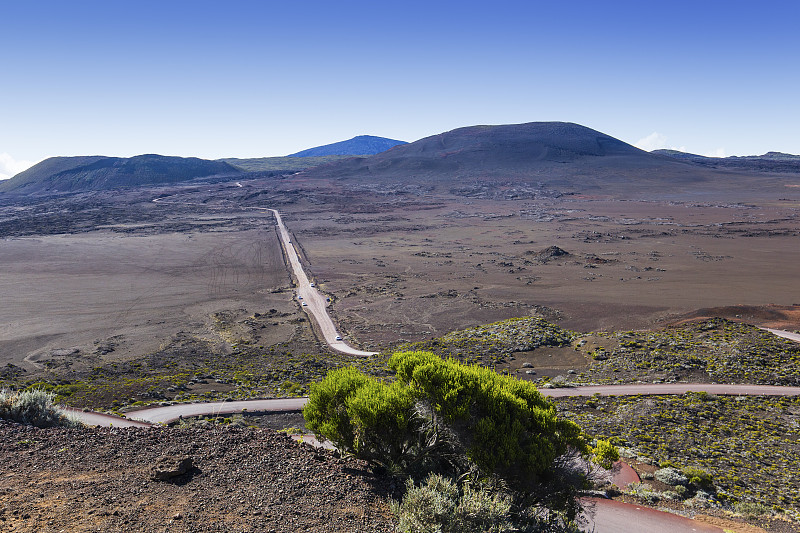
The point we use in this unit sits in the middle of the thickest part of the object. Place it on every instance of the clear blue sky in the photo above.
(263, 78)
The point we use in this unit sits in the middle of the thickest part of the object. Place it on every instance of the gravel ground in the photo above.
(241, 480)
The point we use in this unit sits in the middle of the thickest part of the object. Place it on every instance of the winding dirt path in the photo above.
(171, 413)
(673, 388)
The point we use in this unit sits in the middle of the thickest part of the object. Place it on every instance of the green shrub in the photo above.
(671, 476)
(33, 407)
(448, 418)
(605, 454)
(507, 427)
(384, 424)
(326, 411)
(384, 427)
(698, 477)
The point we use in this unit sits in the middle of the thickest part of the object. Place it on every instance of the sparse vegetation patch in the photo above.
(730, 450)
(492, 343)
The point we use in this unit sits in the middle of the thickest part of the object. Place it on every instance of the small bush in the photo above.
(33, 407)
(644, 491)
(752, 509)
(671, 476)
(507, 426)
(605, 454)
(698, 477)
(438, 506)
(444, 417)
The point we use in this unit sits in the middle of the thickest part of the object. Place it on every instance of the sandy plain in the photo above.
(112, 294)
(400, 263)
(627, 264)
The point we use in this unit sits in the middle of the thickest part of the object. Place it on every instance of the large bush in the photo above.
(507, 427)
(33, 407)
(443, 416)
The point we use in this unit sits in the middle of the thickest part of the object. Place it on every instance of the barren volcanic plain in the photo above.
(408, 247)
(116, 299)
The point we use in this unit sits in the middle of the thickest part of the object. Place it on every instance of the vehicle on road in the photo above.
(338, 337)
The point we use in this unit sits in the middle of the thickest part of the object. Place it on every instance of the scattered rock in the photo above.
(548, 254)
(169, 467)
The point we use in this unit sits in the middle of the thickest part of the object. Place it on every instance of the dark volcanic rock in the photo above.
(243, 480)
(548, 254)
(170, 467)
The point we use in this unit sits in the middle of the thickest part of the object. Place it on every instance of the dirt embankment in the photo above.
(237, 480)
(786, 317)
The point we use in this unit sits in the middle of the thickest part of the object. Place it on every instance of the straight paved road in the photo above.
(315, 302)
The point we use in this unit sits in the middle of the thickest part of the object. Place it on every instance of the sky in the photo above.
(268, 78)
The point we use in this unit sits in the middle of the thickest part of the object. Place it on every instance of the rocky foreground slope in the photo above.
(239, 480)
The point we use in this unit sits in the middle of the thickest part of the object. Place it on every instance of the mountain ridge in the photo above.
(93, 173)
(777, 162)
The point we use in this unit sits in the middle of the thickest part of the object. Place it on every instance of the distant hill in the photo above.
(558, 154)
(361, 145)
(281, 164)
(92, 173)
(769, 162)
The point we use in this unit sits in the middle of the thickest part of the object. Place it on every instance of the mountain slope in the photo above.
(557, 153)
(360, 145)
(92, 173)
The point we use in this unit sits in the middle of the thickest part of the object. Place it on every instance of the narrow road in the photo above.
(315, 302)
(311, 299)
(156, 415)
(91, 418)
(611, 516)
(785, 334)
(672, 388)
(159, 415)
